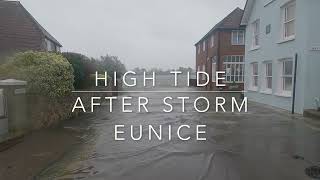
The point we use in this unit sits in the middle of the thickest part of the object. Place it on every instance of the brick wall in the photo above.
(222, 47)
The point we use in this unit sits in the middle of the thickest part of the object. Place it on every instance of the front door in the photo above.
(3, 114)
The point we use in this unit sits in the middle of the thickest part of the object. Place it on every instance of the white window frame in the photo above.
(266, 89)
(254, 77)
(285, 22)
(204, 46)
(255, 34)
(282, 88)
(234, 62)
(212, 40)
(237, 41)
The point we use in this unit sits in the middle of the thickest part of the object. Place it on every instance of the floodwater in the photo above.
(255, 145)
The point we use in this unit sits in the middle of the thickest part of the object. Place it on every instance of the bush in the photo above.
(47, 74)
(83, 67)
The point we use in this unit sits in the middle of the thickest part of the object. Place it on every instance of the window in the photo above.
(58, 49)
(214, 70)
(255, 75)
(268, 76)
(234, 68)
(268, 29)
(237, 38)
(198, 48)
(288, 16)
(212, 40)
(204, 46)
(286, 74)
(50, 45)
(204, 70)
(256, 34)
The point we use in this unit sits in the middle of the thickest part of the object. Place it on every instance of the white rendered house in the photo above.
(278, 32)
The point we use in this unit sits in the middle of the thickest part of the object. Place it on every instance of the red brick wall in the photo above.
(222, 47)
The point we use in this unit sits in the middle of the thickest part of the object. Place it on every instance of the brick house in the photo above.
(222, 49)
(19, 31)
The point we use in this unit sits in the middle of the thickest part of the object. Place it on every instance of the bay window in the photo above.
(234, 69)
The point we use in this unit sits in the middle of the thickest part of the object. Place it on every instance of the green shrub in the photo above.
(47, 74)
(83, 67)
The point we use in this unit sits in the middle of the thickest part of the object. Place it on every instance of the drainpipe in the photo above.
(294, 82)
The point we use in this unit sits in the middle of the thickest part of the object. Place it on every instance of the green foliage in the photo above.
(47, 74)
(83, 68)
(111, 64)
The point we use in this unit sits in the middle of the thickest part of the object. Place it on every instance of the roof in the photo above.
(231, 21)
(247, 11)
(19, 29)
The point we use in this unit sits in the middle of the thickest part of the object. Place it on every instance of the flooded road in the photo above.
(255, 145)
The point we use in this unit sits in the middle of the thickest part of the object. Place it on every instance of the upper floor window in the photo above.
(237, 38)
(212, 40)
(204, 46)
(288, 20)
(58, 49)
(50, 45)
(256, 33)
(198, 48)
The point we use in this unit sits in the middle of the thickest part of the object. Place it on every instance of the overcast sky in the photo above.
(143, 33)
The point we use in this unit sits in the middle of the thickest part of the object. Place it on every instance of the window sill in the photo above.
(266, 91)
(286, 40)
(283, 94)
(254, 48)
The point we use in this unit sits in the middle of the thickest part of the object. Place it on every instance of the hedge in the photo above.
(47, 74)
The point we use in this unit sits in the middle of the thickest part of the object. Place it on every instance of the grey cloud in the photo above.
(149, 33)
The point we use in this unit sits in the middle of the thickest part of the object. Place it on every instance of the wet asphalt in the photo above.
(254, 145)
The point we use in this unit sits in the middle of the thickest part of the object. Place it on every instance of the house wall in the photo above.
(222, 47)
(312, 75)
(272, 50)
